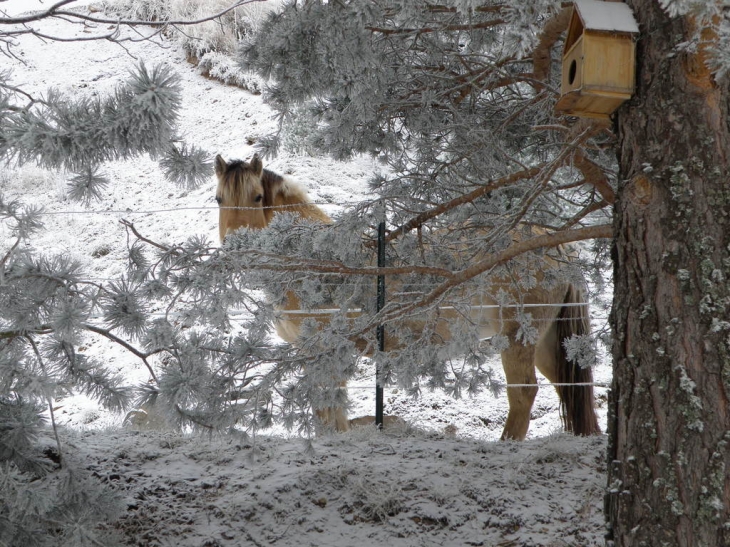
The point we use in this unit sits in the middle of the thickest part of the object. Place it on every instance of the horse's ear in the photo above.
(256, 165)
(220, 165)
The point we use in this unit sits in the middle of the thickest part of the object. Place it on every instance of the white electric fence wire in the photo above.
(330, 311)
(189, 208)
(538, 384)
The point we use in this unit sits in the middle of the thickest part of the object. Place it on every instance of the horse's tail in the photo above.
(577, 403)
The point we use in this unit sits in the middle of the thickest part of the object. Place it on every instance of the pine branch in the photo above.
(54, 11)
(10, 334)
(551, 33)
(130, 348)
(541, 185)
(48, 399)
(440, 8)
(7, 255)
(286, 263)
(124, 222)
(428, 30)
(517, 248)
(595, 176)
(422, 218)
(47, 329)
(593, 173)
(587, 210)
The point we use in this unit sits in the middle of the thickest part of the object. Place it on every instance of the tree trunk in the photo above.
(669, 421)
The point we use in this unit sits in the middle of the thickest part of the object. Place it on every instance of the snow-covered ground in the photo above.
(362, 488)
(443, 480)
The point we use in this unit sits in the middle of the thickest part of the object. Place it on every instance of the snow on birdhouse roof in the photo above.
(606, 16)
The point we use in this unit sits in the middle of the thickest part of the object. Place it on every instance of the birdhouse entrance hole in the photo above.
(572, 71)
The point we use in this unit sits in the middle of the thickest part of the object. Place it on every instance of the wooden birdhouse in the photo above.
(598, 59)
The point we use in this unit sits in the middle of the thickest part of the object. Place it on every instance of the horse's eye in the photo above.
(219, 200)
(259, 198)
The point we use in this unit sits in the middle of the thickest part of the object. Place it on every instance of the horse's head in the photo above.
(241, 185)
(249, 196)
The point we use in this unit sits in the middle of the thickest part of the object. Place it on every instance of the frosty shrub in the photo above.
(377, 498)
(223, 67)
(211, 44)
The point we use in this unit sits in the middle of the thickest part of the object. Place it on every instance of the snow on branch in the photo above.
(56, 11)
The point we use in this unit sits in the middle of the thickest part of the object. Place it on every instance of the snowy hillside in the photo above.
(440, 481)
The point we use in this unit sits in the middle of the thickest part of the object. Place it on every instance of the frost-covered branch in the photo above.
(551, 32)
(144, 356)
(79, 135)
(281, 263)
(545, 241)
(424, 217)
(56, 11)
(49, 310)
(131, 227)
(594, 175)
(518, 248)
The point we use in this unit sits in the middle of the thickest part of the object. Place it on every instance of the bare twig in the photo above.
(130, 348)
(139, 236)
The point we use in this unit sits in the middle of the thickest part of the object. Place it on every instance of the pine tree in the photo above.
(669, 473)
(445, 96)
(47, 303)
(448, 104)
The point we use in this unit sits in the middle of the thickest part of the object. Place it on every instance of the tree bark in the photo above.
(669, 421)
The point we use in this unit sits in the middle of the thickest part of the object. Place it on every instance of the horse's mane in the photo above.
(278, 188)
(279, 192)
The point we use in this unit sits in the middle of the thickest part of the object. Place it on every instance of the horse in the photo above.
(249, 196)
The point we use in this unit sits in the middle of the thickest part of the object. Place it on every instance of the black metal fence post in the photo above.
(380, 328)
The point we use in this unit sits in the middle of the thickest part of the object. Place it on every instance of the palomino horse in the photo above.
(250, 195)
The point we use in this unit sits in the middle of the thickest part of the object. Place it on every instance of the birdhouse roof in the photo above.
(606, 16)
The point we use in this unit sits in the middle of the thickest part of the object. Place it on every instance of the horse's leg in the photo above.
(519, 368)
(289, 329)
(577, 404)
(550, 361)
(334, 417)
(547, 361)
(547, 353)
